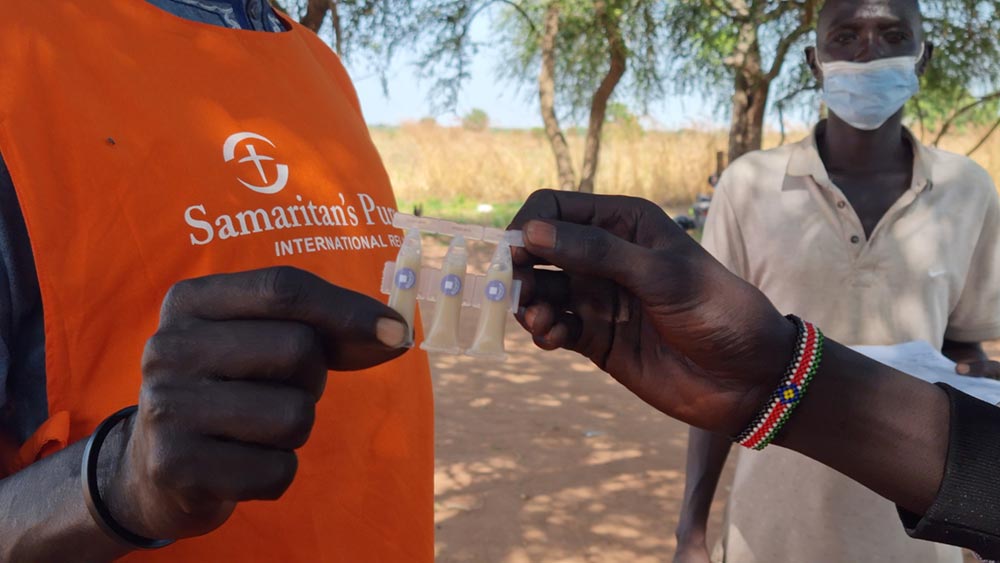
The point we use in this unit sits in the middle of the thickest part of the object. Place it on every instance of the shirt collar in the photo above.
(804, 160)
(256, 15)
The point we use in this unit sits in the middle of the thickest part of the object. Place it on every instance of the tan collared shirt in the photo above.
(929, 271)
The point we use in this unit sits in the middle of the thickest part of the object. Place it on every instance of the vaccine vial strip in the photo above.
(452, 288)
(406, 278)
(452, 229)
(442, 336)
(493, 316)
(429, 287)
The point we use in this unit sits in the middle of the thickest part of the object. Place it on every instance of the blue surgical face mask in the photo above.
(866, 95)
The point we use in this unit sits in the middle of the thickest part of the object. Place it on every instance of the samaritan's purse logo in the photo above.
(239, 140)
(327, 214)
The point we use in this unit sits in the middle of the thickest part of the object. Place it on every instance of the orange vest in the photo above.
(146, 149)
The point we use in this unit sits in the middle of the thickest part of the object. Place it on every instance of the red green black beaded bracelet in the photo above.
(779, 406)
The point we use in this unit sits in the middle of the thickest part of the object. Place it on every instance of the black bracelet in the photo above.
(92, 494)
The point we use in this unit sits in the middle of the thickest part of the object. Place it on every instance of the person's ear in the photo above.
(926, 59)
(813, 66)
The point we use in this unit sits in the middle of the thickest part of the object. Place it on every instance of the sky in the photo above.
(506, 105)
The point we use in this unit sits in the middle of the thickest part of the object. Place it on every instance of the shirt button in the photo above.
(841, 204)
(855, 239)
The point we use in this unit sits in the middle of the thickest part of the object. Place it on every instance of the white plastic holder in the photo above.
(450, 228)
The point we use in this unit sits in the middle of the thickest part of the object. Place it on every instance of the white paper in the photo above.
(921, 360)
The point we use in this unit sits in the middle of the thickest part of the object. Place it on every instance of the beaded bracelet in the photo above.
(779, 406)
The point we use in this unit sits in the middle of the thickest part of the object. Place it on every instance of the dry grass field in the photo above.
(452, 169)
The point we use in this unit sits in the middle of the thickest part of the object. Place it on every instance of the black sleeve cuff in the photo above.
(966, 511)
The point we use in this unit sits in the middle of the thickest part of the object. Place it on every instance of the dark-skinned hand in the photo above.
(230, 384)
(645, 303)
(979, 368)
(692, 553)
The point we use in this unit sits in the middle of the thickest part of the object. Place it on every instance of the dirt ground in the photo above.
(546, 459)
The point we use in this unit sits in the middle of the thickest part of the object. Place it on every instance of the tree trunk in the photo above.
(746, 133)
(338, 29)
(599, 104)
(547, 98)
(315, 14)
(750, 90)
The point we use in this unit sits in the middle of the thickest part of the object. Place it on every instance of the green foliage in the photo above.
(476, 120)
(622, 120)
(966, 35)
(939, 102)
(966, 64)
(704, 34)
(441, 35)
(682, 46)
(447, 50)
(371, 32)
(620, 114)
(707, 38)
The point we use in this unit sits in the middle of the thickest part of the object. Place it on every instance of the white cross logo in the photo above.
(229, 153)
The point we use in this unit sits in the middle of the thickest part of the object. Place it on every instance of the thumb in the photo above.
(586, 250)
(979, 368)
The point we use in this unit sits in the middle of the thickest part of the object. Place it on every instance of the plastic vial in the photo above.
(496, 304)
(403, 296)
(443, 333)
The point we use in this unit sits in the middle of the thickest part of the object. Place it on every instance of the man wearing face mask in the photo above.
(878, 239)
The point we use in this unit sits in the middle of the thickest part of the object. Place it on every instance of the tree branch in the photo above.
(781, 9)
(782, 51)
(803, 88)
(277, 5)
(982, 141)
(809, 12)
(618, 54)
(920, 118)
(524, 15)
(547, 99)
(338, 28)
(781, 122)
(780, 105)
(449, 52)
(962, 111)
(315, 14)
(740, 8)
(726, 11)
